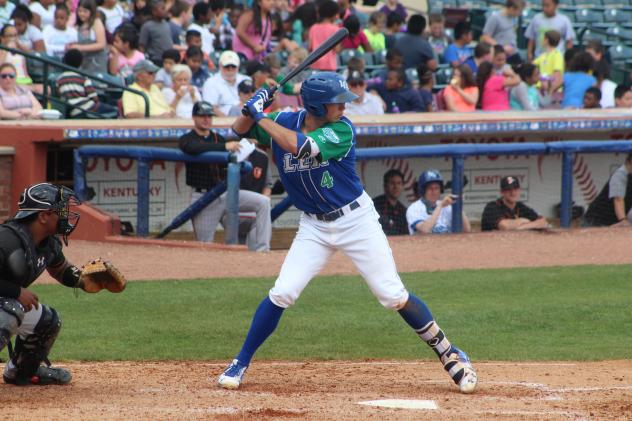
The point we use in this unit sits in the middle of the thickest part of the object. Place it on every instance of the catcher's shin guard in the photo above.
(31, 351)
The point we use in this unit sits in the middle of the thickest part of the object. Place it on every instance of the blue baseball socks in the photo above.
(264, 322)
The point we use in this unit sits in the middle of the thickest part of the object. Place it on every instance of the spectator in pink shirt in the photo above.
(494, 87)
(356, 39)
(319, 32)
(124, 53)
(254, 30)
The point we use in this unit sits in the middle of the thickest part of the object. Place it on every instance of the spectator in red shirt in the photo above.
(356, 39)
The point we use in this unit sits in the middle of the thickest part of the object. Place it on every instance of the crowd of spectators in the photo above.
(212, 46)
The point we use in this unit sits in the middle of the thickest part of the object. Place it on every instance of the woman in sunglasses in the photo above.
(16, 102)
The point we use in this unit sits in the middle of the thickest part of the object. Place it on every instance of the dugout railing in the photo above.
(457, 153)
(144, 156)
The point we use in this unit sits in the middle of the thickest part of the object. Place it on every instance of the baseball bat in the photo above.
(322, 49)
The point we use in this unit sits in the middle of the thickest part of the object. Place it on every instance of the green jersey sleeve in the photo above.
(333, 139)
(261, 135)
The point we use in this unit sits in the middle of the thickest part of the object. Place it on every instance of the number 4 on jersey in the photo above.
(327, 181)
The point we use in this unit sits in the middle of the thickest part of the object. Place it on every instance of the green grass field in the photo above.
(566, 313)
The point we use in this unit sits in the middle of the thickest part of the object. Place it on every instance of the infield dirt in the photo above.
(332, 390)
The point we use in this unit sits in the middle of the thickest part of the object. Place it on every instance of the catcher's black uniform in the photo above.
(35, 258)
(21, 263)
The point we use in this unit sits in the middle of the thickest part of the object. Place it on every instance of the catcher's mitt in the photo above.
(99, 274)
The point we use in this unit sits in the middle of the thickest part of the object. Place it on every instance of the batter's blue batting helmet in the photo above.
(324, 88)
(429, 176)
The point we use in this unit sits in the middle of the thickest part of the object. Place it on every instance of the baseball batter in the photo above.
(315, 153)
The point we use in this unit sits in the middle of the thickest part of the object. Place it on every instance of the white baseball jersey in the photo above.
(418, 212)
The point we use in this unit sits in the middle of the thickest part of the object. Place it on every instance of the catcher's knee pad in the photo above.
(34, 348)
(11, 315)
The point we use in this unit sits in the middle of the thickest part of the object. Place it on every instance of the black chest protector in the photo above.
(24, 261)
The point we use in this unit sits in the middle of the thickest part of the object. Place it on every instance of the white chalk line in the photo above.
(544, 388)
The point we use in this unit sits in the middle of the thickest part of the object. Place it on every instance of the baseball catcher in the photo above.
(30, 243)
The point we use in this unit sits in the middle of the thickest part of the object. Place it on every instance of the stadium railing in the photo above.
(47, 63)
(144, 156)
(458, 153)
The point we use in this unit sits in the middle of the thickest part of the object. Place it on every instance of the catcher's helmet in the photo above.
(46, 196)
(429, 176)
(324, 88)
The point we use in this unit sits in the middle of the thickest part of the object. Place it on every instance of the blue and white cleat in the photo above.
(459, 367)
(232, 377)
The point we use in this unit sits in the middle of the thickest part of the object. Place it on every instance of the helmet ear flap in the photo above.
(317, 110)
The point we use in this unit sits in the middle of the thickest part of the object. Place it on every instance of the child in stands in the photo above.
(124, 53)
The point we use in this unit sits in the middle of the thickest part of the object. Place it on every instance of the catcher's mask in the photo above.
(49, 197)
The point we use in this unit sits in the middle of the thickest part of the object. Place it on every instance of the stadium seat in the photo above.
(412, 76)
(617, 16)
(110, 94)
(443, 75)
(587, 16)
(369, 59)
(614, 4)
(35, 68)
(589, 4)
(379, 58)
(592, 35)
(345, 55)
(619, 34)
(567, 4)
(620, 54)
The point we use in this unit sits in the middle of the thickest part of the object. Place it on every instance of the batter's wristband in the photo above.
(259, 116)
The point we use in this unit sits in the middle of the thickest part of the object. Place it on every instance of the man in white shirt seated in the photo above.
(221, 89)
(366, 103)
(59, 34)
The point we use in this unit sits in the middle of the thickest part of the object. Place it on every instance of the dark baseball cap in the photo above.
(355, 76)
(245, 87)
(255, 66)
(202, 109)
(509, 182)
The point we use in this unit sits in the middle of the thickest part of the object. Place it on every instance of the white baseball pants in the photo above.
(359, 235)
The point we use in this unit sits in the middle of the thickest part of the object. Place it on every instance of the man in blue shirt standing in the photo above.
(314, 150)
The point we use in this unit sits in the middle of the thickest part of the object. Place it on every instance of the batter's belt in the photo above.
(333, 215)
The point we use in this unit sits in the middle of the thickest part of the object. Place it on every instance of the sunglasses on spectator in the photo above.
(230, 66)
(7, 75)
(356, 84)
